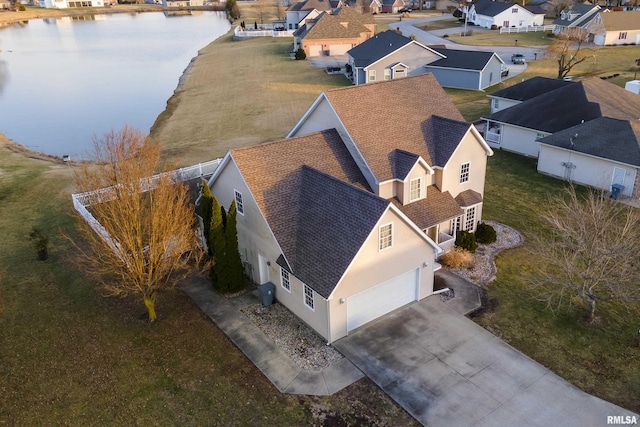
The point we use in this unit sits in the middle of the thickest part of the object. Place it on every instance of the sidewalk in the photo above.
(276, 365)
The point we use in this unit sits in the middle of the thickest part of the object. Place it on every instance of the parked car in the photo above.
(518, 58)
(504, 70)
(405, 9)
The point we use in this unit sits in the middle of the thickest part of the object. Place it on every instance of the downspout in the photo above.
(328, 322)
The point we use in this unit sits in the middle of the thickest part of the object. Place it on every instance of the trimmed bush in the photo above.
(300, 55)
(485, 233)
(458, 258)
(466, 240)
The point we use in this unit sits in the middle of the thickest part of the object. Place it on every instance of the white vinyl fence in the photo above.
(83, 200)
(533, 28)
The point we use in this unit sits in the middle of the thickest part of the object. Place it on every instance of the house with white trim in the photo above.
(487, 13)
(348, 215)
(65, 4)
(575, 21)
(616, 28)
(520, 127)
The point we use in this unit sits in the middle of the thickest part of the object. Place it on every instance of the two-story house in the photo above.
(487, 13)
(348, 215)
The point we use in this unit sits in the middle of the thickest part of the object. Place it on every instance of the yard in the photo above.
(69, 355)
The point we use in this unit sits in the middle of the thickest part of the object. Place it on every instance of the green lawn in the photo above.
(604, 360)
(494, 38)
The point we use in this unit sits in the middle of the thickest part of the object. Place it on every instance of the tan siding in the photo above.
(372, 267)
(520, 140)
(471, 151)
(316, 318)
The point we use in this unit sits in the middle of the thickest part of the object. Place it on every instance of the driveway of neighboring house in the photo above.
(445, 370)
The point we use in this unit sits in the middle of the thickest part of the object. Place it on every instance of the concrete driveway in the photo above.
(447, 371)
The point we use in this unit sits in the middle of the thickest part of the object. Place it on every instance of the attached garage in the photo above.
(315, 50)
(382, 299)
(339, 49)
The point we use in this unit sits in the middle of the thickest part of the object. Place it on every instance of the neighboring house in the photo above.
(389, 55)
(616, 28)
(574, 21)
(392, 6)
(299, 12)
(64, 4)
(364, 6)
(344, 216)
(448, 5)
(544, 7)
(487, 13)
(334, 33)
(598, 153)
(182, 3)
(466, 69)
(518, 128)
(524, 91)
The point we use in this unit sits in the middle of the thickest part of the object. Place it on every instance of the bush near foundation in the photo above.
(458, 258)
(466, 240)
(485, 233)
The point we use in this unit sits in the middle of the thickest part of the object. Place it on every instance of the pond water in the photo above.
(62, 81)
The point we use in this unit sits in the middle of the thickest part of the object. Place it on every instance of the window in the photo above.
(415, 189)
(496, 104)
(540, 135)
(622, 35)
(456, 224)
(239, 203)
(505, 24)
(470, 219)
(291, 26)
(464, 172)
(490, 76)
(387, 74)
(372, 75)
(514, 10)
(284, 279)
(308, 297)
(385, 236)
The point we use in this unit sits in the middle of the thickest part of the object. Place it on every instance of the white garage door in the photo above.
(314, 50)
(339, 49)
(381, 299)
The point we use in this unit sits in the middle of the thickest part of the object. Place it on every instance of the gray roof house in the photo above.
(574, 21)
(348, 214)
(518, 128)
(524, 91)
(599, 153)
(487, 13)
(389, 55)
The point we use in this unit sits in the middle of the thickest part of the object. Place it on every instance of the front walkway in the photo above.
(275, 364)
(445, 370)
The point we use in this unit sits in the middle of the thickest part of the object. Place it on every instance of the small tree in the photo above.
(567, 49)
(233, 262)
(232, 9)
(148, 240)
(217, 244)
(206, 209)
(589, 255)
(300, 54)
(485, 233)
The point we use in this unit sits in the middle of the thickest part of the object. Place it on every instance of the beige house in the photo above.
(616, 28)
(348, 215)
(334, 33)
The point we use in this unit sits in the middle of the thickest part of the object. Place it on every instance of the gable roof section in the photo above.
(585, 13)
(437, 207)
(491, 8)
(442, 137)
(621, 21)
(462, 59)
(377, 133)
(571, 105)
(402, 162)
(613, 139)
(377, 47)
(531, 88)
(468, 198)
(330, 25)
(333, 220)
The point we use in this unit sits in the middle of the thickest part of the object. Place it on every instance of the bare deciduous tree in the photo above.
(591, 252)
(151, 223)
(568, 50)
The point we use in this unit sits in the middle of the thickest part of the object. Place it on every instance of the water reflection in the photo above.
(71, 79)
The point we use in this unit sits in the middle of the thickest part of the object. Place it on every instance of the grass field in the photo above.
(70, 356)
(494, 38)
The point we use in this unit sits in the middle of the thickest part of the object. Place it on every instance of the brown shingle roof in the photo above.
(312, 4)
(468, 198)
(344, 23)
(437, 207)
(383, 116)
(315, 200)
(621, 21)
